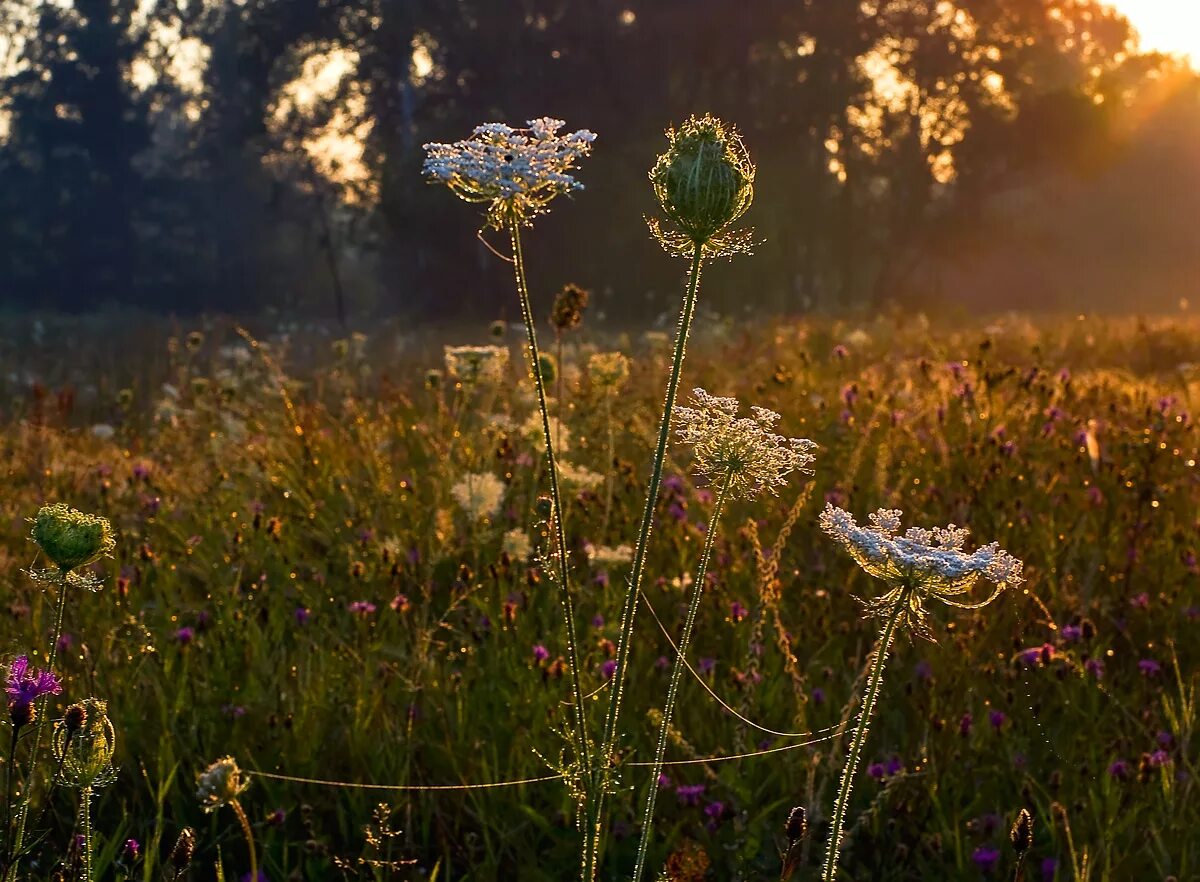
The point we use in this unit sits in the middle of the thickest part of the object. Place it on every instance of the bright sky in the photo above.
(1166, 25)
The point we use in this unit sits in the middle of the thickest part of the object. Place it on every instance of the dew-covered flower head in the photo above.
(83, 744)
(703, 182)
(515, 172)
(70, 538)
(220, 784)
(608, 370)
(743, 450)
(920, 563)
(476, 364)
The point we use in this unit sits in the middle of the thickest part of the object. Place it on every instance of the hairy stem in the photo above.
(249, 834)
(870, 699)
(52, 658)
(85, 824)
(560, 537)
(676, 674)
(628, 610)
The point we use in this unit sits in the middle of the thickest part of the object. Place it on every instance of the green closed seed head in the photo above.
(84, 744)
(705, 180)
(70, 538)
(549, 367)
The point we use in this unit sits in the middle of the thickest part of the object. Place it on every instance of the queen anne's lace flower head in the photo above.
(920, 563)
(743, 450)
(475, 364)
(515, 172)
(479, 494)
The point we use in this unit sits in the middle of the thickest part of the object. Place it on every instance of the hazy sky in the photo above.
(1166, 25)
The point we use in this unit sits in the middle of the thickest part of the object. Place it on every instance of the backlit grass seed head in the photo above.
(1021, 834)
(70, 538)
(921, 563)
(476, 364)
(704, 182)
(479, 494)
(83, 745)
(742, 450)
(220, 784)
(515, 172)
(181, 853)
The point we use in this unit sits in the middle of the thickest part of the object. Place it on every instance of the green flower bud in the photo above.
(705, 180)
(220, 784)
(84, 744)
(549, 367)
(70, 538)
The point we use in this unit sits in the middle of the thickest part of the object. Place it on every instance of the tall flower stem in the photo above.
(249, 834)
(85, 824)
(870, 699)
(676, 674)
(52, 658)
(560, 536)
(628, 610)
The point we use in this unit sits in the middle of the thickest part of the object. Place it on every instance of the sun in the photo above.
(1171, 26)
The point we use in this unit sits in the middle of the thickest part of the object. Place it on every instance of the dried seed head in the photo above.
(1021, 834)
(567, 313)
(797, 824)
(181, 853)
(221, 783)
(75, 718)
(22, 713)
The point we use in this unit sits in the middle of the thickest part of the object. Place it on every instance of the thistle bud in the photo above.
(70, 538)
(1021, 834)
(181, 853)
(75, 718)
(705, 180)
(22, 713)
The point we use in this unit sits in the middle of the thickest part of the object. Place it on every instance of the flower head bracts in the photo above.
(220, 784)
(516, 172)
(920, 563)
(742, 450)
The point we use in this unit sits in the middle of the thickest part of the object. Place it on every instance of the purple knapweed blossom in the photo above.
(662, 663)
(185, 635)
(1119, 769)
(540, 653)
(894, 766)
(997, 718)
(1149, 667)
(1164, 738)
(132, 849)
(25, 685)
(1071, 633)
(597, 621)
(1140, 601)
(986, 857)
(818, 696)
(737, 612)
(1049, 869)
(1159, 758)
(1095, 667)
(664, 782)
(689, 794)
(361, 607)
(608, 668)
(707, 665)
(877, 771)
(965, 723)
(302, 614)
(715, 809)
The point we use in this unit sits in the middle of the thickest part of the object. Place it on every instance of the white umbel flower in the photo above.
(742, 450)
(921, 563)
(516, 172)
(475, 364)
(479, 494)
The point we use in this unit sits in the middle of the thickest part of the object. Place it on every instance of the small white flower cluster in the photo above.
(609, 556)
(475, 364)
(920, 563)
(517, 545)
(608, 370)
(221, 783)
(742, 450)
(516, 172)
(579, 477)
(479, 494)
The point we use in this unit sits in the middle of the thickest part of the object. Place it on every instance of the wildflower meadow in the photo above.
(886, 595)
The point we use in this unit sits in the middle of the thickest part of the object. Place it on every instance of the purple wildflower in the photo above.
(133, 848)
(986, 857)
(26, 685)
(997, 719)
(877, 771)
(303, 614)
(1159, 758)
(1095, 667)
(818, 695)
(185, 635)
(277, 817)
(664, 782)
(608, 668)
(362, 607)
(1119, 769)
(1149, 667)
(707, 665)
(715, 809)
(689, 794)
(1049, 869)
(597, 621)
(737, 612)
(1071, 633)
(894, 766)
(540, 653)
(965, 724)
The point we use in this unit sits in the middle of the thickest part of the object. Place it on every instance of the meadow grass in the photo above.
(295, 585)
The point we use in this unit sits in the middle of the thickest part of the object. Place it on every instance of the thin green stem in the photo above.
(685, 640)
(12, 759)
(629, 609)
(560, 537)
(85, 823)
(870, 699)
(249, 834)
(52, 658)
